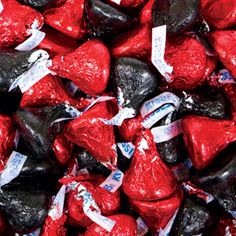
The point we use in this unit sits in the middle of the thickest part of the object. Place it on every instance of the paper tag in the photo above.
(1, 6)
(127, 149)
(32, 42)
(73, 171)
(158, 52)
(120, 97)
(83, 171)
(56, 210)
(191, 189)
(161, 112)
(12, 168)
(158, 101)
(142, 227)
(98, 100)
(71, 88)
(113, 181)
(103, 221)
(38, 71)
(233, 213)
(167, 229)
(225, 77)
(74, 113)
(167, 132)
(35, 233)
(124, 113)
(143, 145)
(95, 215)
(16, 138)
(116, 1)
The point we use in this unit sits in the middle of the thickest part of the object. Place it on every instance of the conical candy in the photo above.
(67, 18)
(85, 68)
(35, 127)
(15, 21)
(136, 43)
(179, 15)
(89, 132)
(148, 178)
(105, 20)
(205, 138)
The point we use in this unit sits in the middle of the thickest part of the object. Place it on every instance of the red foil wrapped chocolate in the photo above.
(219, 14)
(146, 13)
(108, 202)
(89, 132)
(128, 3)
(85, 68)
(189, 61)
(136, 43)
(67, 18)
(15, 21)
(211, 65)
(205, 138)
(148, 178)
(54, 227)
(131, 3)
(130, 127)
(56, 42)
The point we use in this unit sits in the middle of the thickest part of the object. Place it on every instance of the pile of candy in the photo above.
(117, 117)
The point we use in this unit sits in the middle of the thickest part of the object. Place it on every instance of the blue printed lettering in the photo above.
(127, 148)
(117, 176)
(108, 187)
(131, 151)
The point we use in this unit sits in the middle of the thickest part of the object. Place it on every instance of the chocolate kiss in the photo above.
(205, 138)
(136, 43)
(25, 210)
(90, 133)
(220, 179)
(36, 129)
(67, 18)
(85, 68)
(193, 218)
(105, 20)
(148, 178)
